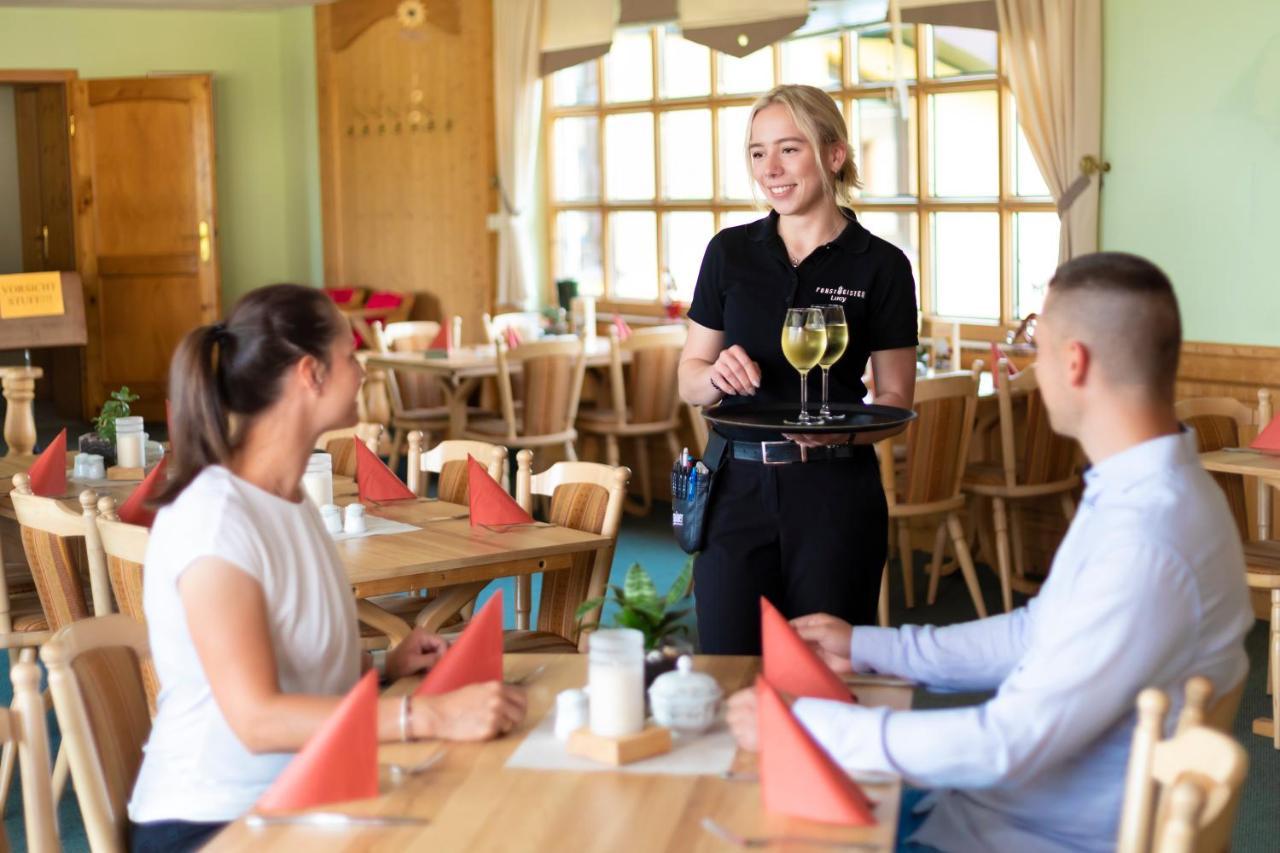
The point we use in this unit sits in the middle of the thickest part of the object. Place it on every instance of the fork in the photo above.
(399, 771)
(862, 777)
(754, 841)
(521, 680)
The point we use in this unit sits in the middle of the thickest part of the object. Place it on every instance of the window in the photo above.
(646, 164)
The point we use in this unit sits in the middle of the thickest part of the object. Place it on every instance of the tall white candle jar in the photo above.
(131, 442)
(615, 675)
(317, 481)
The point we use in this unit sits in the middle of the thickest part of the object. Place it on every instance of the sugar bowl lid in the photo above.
(685, 684)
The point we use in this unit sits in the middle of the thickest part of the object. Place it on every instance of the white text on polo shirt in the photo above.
(840, 294)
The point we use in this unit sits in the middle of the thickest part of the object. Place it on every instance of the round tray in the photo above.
(769, 417)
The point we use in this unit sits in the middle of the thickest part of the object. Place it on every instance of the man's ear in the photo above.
(1079, 363)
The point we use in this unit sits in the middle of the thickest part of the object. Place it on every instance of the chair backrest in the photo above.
(650, 394)
(64, 553)
(95, 676)
(23, 725)
(528, 324)
(937, 440)
(552, 373)
(341, 445)
(951, 336)
(1220, 422)
(125, 547)
(1045, 456)
(1181, 793)
(586, 496)
(448, 461)
(408, 389)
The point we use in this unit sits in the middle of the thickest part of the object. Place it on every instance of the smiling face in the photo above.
(785, 165)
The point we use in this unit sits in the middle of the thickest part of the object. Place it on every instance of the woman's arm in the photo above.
(227, 617)
(708, 372)
(895, 374)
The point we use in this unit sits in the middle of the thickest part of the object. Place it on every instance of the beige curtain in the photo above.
(1054, 62)
(517, 104)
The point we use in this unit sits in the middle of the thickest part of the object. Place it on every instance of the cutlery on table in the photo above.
(521, 680)
(401, 770)
(330, 820)
(862, 777)
(725, 834)
(872, 680)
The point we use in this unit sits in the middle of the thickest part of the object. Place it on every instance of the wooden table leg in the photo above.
(455, 396)
(19, 385)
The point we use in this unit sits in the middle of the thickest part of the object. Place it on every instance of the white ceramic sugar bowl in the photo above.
(684, 700)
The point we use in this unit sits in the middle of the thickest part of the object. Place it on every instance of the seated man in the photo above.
(1147, 589)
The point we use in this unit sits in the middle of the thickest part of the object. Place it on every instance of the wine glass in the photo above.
(837, 342)
(804, 340)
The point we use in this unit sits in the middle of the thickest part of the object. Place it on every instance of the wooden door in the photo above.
(143, 173)
(48, 243)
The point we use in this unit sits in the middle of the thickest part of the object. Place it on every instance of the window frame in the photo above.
(1006, 203)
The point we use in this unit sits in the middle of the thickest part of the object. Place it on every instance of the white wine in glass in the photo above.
(804, 340)
(837, 342)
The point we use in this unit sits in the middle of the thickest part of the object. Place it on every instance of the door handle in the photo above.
(44, 242)
(205, 245)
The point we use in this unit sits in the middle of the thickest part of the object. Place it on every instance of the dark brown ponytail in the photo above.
(224, 374)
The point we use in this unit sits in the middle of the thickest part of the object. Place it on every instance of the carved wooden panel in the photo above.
(407, 152)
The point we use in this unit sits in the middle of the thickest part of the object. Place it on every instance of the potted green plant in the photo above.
(658, 617)
(102, 440)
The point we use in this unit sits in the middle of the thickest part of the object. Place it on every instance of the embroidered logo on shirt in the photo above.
(840, 293)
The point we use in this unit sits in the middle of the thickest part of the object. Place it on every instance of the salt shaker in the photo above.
(353, 521)
(571, 712)
(332, 516)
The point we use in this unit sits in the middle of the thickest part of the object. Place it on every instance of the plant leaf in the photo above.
(640, 589)
(680, 586)
(587, 606)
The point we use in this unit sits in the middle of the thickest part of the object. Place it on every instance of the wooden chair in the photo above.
(528, 324)
(651, 408)
(937, 443)
(1181, 794)
(448, 461)
(1262, 571)
(1035, 462)
(551, 386)
(22, 728)
(586, 496)
(948, 357)
(125, 547)
(416, 401)
(340, 444)
(95, 676)
(1220, 422)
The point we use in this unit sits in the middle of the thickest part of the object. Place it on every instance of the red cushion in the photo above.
(384, 299)
(341, 295)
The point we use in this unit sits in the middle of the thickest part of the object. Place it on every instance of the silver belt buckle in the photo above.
(764, 452)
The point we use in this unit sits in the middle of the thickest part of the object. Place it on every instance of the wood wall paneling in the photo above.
(407, 157)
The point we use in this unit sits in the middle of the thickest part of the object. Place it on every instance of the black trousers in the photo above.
(811, 537)
(170, 836)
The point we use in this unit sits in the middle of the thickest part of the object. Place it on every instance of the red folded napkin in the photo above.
(1269, 438)
(512, 337)
(48, 474)
(490, 504)
(442, 338)
(339, 762)
(134, 510)
(996, 355)
(789, 663)
(375, 481)
(797, 777)
(624, 331)
(475, 657)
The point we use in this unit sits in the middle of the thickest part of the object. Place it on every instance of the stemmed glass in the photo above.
(804, 340)
(837, 341)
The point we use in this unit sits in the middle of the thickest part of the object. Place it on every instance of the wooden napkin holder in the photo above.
(115, 472)
(650, 741)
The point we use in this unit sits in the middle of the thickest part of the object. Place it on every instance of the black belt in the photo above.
(784, 452)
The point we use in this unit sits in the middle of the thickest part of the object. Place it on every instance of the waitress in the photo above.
(799, 519)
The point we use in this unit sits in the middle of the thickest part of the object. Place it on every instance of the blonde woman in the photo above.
(798, 519)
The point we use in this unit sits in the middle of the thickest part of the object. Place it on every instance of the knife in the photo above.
(330, 820)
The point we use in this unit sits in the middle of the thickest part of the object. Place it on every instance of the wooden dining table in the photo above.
(471, 800)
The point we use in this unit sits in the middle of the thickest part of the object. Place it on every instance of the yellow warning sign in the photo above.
(37, 294)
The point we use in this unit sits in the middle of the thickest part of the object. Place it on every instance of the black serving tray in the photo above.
(770, 417)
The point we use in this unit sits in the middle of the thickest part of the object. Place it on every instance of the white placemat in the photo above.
(708, 754)
(375, 526)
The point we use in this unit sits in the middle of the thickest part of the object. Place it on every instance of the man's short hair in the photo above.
(1123, 307)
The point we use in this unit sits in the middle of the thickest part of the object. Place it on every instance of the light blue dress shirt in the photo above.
(1147, 589)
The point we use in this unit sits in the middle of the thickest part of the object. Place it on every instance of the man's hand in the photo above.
(415, 653)
(829, 637)
(743, 718)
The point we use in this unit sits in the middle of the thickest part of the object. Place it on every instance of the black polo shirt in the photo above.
(747, 283)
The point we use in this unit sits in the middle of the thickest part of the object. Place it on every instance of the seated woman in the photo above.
(250, 617)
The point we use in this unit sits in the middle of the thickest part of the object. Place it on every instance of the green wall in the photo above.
(1191, 126)
(263, 67)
